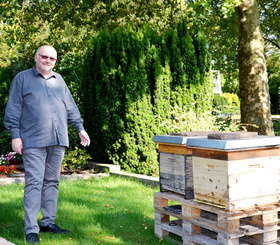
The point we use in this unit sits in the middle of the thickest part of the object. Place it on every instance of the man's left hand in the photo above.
(85, 140)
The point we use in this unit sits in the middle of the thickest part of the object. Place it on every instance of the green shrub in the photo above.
(76, 159)
(6, 76)
(232, 99)
(219, 101)
(5, 142)
(133, 80)
(183, 120)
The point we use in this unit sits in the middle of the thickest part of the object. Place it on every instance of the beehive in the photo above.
(175, 162)
(236, 173)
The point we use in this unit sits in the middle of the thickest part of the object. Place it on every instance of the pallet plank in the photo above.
(204, 224)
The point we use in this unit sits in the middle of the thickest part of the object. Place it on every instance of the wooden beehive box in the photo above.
(176, 173)
(236, 173)
(175, 162)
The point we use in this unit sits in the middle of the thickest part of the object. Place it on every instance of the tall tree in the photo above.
(253, 79)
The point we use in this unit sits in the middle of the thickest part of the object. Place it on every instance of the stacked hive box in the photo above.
(236, 190)
(175, 162)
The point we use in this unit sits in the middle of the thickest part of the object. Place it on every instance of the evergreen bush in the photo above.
(133, 80)
(6, 76)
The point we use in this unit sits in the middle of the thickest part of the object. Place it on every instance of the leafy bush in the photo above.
(219, 101)
(183, 120)
(232, 99)
(6, 75)
(229, 125)
(5, 142)
(75, 159)
(133, 79)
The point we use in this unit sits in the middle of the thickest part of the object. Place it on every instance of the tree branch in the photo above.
(274, 43)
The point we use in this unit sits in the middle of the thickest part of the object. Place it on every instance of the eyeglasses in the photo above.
(45, 57)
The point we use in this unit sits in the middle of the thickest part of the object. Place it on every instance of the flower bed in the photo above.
(7, 163)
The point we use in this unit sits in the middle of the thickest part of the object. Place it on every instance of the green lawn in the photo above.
(111, 210)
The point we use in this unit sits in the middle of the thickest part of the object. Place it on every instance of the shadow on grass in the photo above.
(12, 213)
(107, 211)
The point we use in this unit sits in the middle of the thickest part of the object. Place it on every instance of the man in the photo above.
(38, 110)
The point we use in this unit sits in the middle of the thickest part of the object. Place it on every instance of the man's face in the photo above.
(45, 59)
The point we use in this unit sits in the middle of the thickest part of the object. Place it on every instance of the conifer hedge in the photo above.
(6, 76)
(132, 81)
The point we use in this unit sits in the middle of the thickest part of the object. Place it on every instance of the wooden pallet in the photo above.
(198, 223)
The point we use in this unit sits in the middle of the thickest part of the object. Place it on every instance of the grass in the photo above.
(111, 210)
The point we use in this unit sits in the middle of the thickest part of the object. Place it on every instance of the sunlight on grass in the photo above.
(109, 210)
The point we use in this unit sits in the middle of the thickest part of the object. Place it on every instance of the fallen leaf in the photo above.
(108, 237)
(106, 205)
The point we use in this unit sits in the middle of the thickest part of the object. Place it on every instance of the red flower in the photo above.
(7, 169)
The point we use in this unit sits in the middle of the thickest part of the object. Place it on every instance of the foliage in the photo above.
(6, 75)
(270, 17)
(219, 101)
(5, 163)
(273, 64)
(183, 120)
(232, 99)
(230, 82)
(70, 66)
(133, 80)
(5, 142)
(75, 159)
(230, 109)
(229, 125)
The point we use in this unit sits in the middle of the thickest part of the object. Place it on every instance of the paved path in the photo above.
(5, 242)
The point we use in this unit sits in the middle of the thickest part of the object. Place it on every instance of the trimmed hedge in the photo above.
(133, 80)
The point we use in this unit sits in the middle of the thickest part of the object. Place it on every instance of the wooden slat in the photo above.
(218, 226)
(176, 174)
(236, 155)
(172, 148)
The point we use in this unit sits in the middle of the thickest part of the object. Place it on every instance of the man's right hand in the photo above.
(17, 145)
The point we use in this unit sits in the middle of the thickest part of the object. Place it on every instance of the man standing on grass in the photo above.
(39, 107)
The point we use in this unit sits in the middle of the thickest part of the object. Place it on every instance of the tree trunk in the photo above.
(253, 79)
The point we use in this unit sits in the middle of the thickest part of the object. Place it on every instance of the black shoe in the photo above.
(53, 228)
(32, 238)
